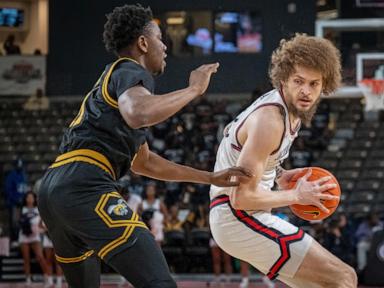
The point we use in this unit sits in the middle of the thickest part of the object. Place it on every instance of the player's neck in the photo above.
(293, 119)
(133, 56)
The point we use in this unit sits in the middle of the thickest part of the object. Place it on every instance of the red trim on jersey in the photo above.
(236, 147)
(241, 124)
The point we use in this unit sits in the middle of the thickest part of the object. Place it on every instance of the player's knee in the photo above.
(348, 277)
(351, 277)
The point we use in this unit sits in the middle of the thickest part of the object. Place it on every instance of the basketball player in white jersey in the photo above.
(259, 139)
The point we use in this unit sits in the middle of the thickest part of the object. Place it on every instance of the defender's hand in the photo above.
(230, 177)
(200, 77)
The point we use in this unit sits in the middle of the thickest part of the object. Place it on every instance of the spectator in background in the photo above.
(335, 242)
(364, 235)
(219, 258)
(136, 184)
(10, 47)
(133, 200)
(155, 208)
(173, 223)
(15, 189)
(37, 52)
(49, 254)
(347, 235)
(37, 102)
(300, 156)
(29, 238)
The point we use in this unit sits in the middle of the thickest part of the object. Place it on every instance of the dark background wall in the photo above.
(77, 55)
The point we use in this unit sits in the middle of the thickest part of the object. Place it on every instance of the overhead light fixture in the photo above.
(175, 20)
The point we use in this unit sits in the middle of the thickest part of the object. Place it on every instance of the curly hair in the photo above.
(310, 52)
(124, 25)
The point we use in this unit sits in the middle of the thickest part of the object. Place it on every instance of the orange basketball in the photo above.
(311, 212)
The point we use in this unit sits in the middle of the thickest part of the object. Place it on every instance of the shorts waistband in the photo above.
(219, 200)
(85, 155)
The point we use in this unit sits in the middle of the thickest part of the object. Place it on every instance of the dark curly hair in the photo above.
(308, 51)
(124, 25)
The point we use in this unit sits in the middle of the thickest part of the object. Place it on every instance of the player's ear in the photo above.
(142, 44)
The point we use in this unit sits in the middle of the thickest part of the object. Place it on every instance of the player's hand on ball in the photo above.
(284, 177)
(230, 177)
(200, 77)
(312, 192)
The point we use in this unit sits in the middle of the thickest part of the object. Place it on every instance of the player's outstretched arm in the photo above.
(262, 133)
(140, 108)
(152, 165)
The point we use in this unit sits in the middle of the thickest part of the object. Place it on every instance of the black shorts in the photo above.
(84, 213)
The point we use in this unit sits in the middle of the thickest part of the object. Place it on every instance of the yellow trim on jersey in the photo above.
(74, 259)
(79, 115)
(107, 97)
(130, 224)
(85, 155)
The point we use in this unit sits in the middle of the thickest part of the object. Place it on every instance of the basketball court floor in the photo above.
(180, 284)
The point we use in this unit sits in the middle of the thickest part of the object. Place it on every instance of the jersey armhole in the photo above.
(263, 105)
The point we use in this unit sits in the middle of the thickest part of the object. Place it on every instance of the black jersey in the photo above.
(99, 126)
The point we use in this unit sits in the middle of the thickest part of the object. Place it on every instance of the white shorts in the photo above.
(47, 243)
(267, 242)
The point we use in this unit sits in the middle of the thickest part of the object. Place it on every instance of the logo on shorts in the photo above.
(119, 209)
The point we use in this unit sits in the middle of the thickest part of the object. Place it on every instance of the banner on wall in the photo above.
(22, 75)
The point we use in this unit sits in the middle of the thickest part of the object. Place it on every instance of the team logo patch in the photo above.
(118, 209)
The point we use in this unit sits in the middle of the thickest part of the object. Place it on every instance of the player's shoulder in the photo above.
(267, 119)
(269, 114)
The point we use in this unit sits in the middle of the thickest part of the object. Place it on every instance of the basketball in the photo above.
(311, 212)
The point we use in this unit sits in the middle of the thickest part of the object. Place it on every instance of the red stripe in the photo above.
(235, 147)
(254, 225)
(284, 256)
(218, 201)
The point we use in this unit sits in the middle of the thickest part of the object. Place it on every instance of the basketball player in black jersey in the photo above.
(87, 219)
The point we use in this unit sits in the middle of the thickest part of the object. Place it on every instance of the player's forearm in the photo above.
(262, 199)
(150, 110)
(159, 168)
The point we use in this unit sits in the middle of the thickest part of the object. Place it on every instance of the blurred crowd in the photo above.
(191, 137)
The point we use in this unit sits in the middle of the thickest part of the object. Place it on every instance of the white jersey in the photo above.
(229, 149)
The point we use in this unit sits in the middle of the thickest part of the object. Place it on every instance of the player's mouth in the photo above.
(305, 102)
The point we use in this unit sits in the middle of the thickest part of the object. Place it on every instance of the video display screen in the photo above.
(11, 17)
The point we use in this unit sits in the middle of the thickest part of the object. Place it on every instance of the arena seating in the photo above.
(348, 146)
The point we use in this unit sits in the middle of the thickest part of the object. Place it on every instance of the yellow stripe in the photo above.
(83, 155)
(107, 97)
(79, 116)
(115, 223)
(130, 224)
(74, 259)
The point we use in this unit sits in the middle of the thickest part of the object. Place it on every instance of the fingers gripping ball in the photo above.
(311, 212)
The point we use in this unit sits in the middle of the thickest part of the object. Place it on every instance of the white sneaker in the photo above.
(28, 281)
(59, 282)
(268, 282)
(48, 281)
(244, 283)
